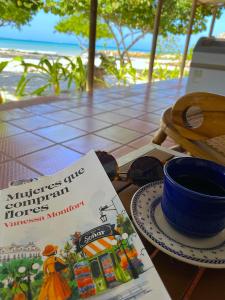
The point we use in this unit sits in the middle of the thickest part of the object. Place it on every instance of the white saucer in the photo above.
(149, 219)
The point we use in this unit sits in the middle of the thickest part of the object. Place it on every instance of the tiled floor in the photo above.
(42, 136)
(91, 141)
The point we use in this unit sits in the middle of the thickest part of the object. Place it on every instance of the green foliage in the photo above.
(3, 64)
(79, 25)
(73, 72)
(124, 73)
(69, 256)
(138, 14)
(162, 72)
(29, 4)
(15, 280)
(124, 225)
(190, 54)
(168, 44)
(17, 13)
(165, 73)
(76, 72)
(52, 71)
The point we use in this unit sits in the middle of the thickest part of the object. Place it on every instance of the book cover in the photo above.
(67, 236)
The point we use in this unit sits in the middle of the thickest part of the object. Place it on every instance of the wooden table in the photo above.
(183, 281)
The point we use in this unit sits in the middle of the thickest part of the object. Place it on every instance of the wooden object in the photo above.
(197, 123)
(193, 9)
(154, 39)
(213, 21)
(92, 41)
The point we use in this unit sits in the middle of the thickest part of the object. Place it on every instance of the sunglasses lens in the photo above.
(144, 170)
(109, 164)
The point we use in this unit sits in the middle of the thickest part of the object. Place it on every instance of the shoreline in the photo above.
(8, 52)
(139, 60)
(30, 54)
(11, 74)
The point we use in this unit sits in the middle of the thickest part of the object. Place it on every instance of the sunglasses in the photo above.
(143, 170)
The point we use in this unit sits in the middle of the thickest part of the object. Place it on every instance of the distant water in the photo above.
(46, 47)
(62, 48)
(41, 47)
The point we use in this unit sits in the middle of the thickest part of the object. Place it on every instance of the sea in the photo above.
(39, 47)
(72, 49)
(47, 47)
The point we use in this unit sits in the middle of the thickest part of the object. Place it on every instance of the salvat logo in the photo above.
(95, 234)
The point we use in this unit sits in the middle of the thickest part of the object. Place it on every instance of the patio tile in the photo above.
(119, 134)
(41, 108)
(145, 140)
(82, 97)
(67, 104)
(33, 123)
(98, 100)
(13, 114)
(164, 103)
(63, 116)
(146, 104)
(158, 104)
(159, 112)
(100, 92)
(111, 117)
(170, 102)
(150, 117)
(51, 160)
(153, 98)
(90, 141)
(139, 125)
(21, 144)
(167, 101)
(129, 112)
(133, 99)
(112, 95)
(123, 103)
(147, 107)
(11, 170)
(87, 110)
(3, 157)
(122, 151)
(7, 129)
(89, 124)
(60, 133)
(106, 106)
(163, 108)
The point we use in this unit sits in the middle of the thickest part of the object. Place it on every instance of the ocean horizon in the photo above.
(73, 49)
(32, 46)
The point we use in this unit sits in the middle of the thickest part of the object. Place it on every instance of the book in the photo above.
(67, 236)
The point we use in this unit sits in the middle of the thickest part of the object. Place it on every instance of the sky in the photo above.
(41, 28)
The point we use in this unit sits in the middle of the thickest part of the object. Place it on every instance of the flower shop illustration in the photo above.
(108, 259)
(89, 264)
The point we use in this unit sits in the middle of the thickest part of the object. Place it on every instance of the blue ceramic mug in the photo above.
(193, 198)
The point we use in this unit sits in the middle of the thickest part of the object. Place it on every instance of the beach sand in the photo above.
(12, 73)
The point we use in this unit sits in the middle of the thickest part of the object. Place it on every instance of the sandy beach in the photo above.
(10, 76)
